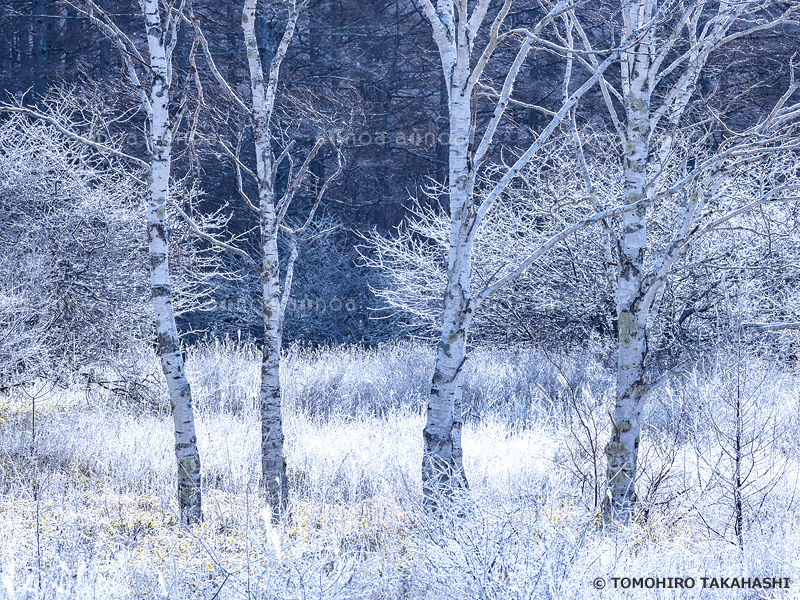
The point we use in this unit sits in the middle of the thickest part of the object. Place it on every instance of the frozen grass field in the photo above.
(87, 508)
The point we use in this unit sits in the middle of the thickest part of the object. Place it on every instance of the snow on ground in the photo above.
(105, 522)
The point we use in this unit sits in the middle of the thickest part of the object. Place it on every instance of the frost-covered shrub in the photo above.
(73, 261)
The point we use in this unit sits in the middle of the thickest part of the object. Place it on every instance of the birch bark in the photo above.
(442, 464)
(455, 32)
(273, 463)
(666, 65)
(622, 450)
(271, 211)
(168, 342)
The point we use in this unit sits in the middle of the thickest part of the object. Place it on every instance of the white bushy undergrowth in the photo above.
(98, 479)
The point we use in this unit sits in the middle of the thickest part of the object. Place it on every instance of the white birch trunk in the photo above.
(639, 293)
(168, 343)
(442, 467)
(273, 464)
(623, 448)
(455, 33)
(442, 459)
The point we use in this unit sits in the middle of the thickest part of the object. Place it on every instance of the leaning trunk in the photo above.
(442, 459)
(168, 345)
(442, 469)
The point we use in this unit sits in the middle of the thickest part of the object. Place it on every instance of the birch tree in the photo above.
(151, 74)
(271, 208)
(162, 32)
(648, 58)
(665, 160)
(455, 31)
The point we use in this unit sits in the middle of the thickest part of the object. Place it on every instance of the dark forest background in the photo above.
(365, 75)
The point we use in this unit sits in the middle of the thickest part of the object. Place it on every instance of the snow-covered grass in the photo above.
(87, 507)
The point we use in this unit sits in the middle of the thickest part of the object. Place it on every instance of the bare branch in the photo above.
(198, 231)
(536, 146)
(223, 83)
(75, 136)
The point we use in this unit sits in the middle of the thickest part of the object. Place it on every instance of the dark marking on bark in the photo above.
(161, 291)
(167, 343)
